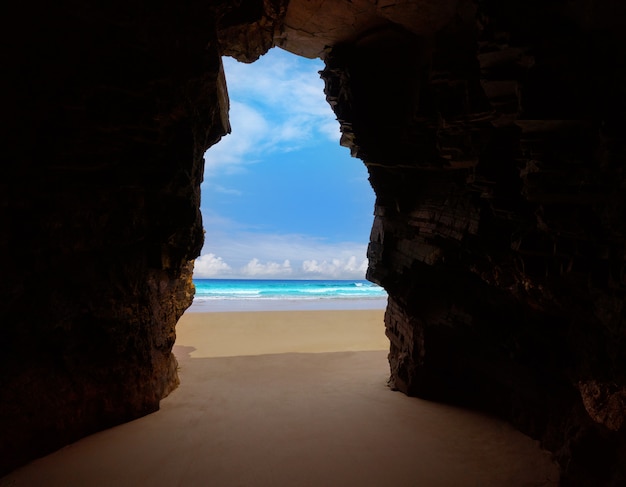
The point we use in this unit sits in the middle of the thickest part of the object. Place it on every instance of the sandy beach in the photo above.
(293, 398)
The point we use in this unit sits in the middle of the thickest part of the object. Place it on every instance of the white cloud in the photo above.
(217, 188)
(249, 130)
(281, 80)
(245, 252)
(255, 268)
(283, 109)
(331, 130)
(337, 268)
(209, 265)
(354, 265)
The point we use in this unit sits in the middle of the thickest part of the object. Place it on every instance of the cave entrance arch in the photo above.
(283, 202)
(492, 135)
(281, 198)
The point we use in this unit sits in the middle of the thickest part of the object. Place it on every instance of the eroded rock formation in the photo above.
(108, 112)
(492, 132)
(500, 218)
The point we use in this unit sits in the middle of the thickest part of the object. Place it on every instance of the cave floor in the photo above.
(294, 419)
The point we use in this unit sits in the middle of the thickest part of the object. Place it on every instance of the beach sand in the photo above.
(293, 399)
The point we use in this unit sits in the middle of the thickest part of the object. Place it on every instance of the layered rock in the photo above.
(108, 113)
(499, 221)
(492, 135)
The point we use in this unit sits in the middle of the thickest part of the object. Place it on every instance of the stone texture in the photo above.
(250, 29)
(499, 221)
(605, 403)
(492, 133)
(311, 26)
(108, 111)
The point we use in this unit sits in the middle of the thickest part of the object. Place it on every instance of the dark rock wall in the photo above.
(493, 135)
(495, 152)
(107, 115)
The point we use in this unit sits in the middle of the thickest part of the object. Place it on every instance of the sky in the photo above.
(281, 199)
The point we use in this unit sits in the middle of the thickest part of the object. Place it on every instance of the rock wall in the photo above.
(492, 133)
(499, 228)
(107, 111)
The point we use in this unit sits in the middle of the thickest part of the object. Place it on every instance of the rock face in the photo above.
(499, 226)
(107, 114)
(492, 133)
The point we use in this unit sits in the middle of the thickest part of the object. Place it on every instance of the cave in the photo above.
(492, 132)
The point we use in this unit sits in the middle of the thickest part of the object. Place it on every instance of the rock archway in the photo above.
(492, 135)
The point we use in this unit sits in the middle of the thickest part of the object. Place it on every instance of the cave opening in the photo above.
(281, 198)
(492, 133)
(287, 214)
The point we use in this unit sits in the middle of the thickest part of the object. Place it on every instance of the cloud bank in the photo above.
(209, 266)
(234, 251)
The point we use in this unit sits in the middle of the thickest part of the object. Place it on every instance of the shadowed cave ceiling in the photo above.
(493, 136)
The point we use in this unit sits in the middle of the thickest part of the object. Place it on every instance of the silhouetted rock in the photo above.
(493, 136)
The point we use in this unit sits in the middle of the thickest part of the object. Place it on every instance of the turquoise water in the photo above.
(244, 294)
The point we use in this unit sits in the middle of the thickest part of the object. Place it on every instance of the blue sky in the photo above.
(281, 199)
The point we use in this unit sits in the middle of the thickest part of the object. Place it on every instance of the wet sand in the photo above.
(293, 398)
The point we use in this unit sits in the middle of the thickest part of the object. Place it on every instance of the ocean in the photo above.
(266, 295)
